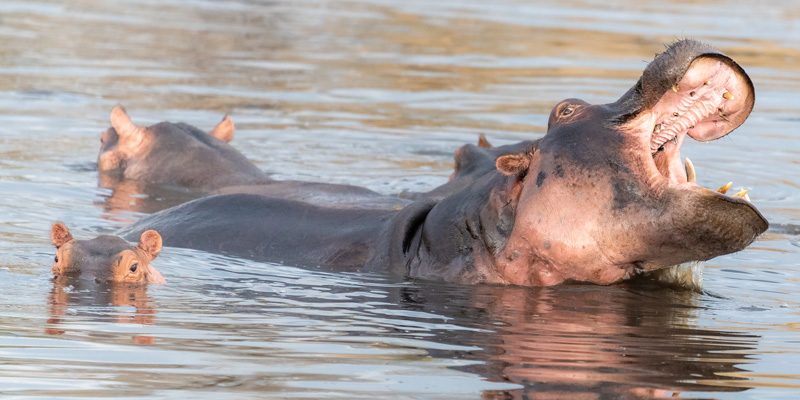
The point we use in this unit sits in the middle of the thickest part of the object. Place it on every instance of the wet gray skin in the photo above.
(602, 197)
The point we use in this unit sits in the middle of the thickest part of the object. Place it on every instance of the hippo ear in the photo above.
(122, 123)
(224, 130)
(60, 234)
(150, 242)
(513, 164)
(483, 143)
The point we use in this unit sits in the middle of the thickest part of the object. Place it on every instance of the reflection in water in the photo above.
(104, 302)
(131, 196)
(587, 341)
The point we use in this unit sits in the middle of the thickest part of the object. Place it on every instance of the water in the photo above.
(376, 93)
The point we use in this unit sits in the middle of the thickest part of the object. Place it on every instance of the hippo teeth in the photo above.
(691, 176)
(680, 114)
(742, 194)
(724, 189)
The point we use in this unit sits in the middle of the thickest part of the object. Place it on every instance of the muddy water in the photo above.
(377, 93)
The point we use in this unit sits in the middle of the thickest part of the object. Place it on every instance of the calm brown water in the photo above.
(376, 93)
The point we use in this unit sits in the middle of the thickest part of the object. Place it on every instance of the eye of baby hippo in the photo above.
(56, 260)
(134, 267)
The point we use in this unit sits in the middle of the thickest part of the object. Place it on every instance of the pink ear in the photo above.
(224, 130)
(122, 123)
(150, 242)
(513, 164)
(59, 234)
(482, 142)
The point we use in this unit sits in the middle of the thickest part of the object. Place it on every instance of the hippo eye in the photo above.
(56, 260)
(134, 267)
(567, 111)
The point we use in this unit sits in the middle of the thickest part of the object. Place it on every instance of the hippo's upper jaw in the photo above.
(689, 90)
(605, 195)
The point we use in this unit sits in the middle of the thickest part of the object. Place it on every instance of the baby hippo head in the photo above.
(105, 258)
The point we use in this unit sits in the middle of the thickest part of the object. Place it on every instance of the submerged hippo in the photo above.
(105, 258)
(162, 159)
(602, 197)
(175, 154)
(471, 163)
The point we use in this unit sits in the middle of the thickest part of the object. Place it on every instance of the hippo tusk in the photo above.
(690, 174)
(741, 193)
(724, 189)
(727, 96)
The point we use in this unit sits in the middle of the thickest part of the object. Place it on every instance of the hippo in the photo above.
(601, 198)
(106, 258)
(175, 154)
(176, 162)
(470, 163)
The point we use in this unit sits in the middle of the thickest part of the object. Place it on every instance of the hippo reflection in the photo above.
(585, 342)
(91, 299)
(601, 198)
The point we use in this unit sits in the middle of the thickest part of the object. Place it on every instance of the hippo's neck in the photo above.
(462, 235)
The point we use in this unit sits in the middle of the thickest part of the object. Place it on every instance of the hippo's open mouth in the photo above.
(711, 99)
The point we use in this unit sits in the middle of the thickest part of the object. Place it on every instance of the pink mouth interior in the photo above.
(709, 102)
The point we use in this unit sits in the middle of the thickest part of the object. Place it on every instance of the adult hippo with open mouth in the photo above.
(602, 197)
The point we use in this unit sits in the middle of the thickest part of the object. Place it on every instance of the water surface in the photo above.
(376, 93)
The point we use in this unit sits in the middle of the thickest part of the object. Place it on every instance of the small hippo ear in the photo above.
(59, 234)
(483, 143)
(122, 123)
(513, 164)
(150, 242)
(224, 130)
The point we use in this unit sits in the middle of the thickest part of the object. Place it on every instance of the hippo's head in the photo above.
(105, 258)
(605, 195)
(171, 153)
(474, 160)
